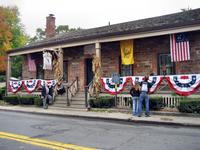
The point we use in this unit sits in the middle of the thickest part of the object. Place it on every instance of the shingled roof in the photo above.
(181, 19)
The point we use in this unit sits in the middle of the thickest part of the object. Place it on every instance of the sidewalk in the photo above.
(157, 118)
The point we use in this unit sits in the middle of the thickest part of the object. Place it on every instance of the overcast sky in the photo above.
(93, 13)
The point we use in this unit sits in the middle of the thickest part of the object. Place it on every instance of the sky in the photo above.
(92, 13)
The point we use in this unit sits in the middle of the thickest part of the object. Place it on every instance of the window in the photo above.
(125, 70)
(165, 66)
(40, 71)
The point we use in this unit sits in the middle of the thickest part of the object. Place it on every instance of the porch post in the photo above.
(97, 70)
(8, 72)
(61, 60)
(98, 50)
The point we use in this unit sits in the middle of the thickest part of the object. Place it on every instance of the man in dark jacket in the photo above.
(45, 93)
(145, 87)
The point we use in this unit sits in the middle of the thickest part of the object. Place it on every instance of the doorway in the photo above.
(89, 73)
(65, 71)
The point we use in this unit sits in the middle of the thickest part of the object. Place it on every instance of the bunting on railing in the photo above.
(30, 85)
(14, 86)
(135, 79)
(109, 86)
(184, 84)
(154, 80)
(50, 83)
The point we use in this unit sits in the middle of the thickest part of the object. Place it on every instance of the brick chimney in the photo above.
(50, 30)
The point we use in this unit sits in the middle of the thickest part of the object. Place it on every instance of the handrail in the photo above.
(72, 89)
(73, 82)
(87, 105)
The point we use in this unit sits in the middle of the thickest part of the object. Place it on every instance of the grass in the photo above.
(2, 102)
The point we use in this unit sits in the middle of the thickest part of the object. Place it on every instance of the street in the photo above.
(91, 134)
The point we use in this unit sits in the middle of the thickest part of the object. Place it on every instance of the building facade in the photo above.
(151, 49)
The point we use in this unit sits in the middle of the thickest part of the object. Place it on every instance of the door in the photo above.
(65, 71)
(89, 73)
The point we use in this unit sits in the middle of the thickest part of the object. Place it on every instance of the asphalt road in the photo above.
(95, 133)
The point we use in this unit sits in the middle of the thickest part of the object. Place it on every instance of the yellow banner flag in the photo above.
(127, 52)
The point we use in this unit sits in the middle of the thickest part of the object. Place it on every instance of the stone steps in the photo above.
(77, 102)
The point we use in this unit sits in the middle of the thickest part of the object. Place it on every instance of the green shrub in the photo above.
(102, 102)
(27, 100)
(23, 100)
(156, 103)
(38, 101)
(190, 105)
(2, 92)
(11, 99)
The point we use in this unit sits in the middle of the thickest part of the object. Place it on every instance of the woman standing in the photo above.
(135, 93)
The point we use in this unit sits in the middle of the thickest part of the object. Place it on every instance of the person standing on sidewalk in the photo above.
(145, 86)
(135, 93)
(45, 93)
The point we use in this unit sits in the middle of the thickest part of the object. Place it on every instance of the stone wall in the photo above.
(76, 64)
(193, 65)
(110, 55)
(146, 53)
(26, 74)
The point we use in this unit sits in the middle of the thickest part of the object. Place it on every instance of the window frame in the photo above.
(172, 66)
(39, 72)
(120, 68)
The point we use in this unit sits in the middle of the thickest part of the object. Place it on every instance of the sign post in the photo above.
(116, 80)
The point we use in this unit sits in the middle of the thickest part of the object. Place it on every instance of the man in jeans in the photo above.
(45, 96)
(145, 86)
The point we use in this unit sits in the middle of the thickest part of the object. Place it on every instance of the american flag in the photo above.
(179, 47)
(31, 64)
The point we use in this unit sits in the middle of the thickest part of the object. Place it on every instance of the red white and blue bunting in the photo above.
(30, 85)
(14, 86)
(135, 79)
(154, 80)
(109, 86)
(184, 84)
(50, 83)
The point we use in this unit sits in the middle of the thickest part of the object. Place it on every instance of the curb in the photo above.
(178, 114)
(161, 113)
(116, 120)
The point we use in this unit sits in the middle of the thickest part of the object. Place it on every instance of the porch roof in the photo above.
(182, 19)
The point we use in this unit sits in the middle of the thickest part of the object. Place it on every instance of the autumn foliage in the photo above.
(11, 33)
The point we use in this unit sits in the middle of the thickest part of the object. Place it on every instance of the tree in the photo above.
(12, 36)
(40, 33)
(5, 32)
(65, 28)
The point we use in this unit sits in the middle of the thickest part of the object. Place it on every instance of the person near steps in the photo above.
(145, 87)
(45, 93)
(135, 93)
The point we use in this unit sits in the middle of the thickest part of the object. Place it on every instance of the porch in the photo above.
(150, 55)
